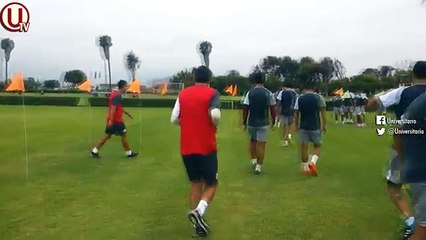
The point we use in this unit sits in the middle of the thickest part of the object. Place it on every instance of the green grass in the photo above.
(70, 196)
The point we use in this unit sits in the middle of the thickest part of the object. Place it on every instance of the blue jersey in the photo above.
(309, 105)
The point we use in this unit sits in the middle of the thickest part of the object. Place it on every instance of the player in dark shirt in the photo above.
(286, 99)
(310, 121)
(400, 99)
(359, 103)
(338, 108)
(115, 123)
(257, 103)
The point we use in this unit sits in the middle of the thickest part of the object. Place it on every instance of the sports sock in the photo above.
(202, 206)
(314, 159)
(254, 161)
(289, 136)
(259, 167)
(95, 150)
(409, 221)
(305, 167)
(128, 153)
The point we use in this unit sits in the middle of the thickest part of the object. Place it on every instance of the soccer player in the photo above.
(115, 123)
(414, 152)
(197, 112)
(286, 99)
(400, 99)
(359, 102)
(311, 122)
(337, 108)
(348, 106)
(256, 120)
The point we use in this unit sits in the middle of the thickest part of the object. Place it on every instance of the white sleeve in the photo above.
(296, 104)
(391, 98)
(246, 100)
(280, 94)
(175, 113)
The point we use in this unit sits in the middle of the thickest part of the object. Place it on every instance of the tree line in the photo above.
(329, 74)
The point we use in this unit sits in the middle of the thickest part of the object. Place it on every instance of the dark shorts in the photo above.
(116, 129)
(201, 167)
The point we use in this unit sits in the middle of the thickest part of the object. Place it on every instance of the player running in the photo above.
(115, 123)
(286, 99)
(400, 99)
(414, 152)
(255, 115)
(197, 112)
(310, 121)
(337, 108)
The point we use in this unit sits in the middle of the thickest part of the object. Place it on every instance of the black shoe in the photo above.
(133, 155)
(94, 155)
(199, 232)
(407, 233)
(198, 221)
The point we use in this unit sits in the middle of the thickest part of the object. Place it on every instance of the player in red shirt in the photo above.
(197, 112)
(115, 123)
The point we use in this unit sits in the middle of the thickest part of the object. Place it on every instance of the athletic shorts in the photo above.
(258, 134)
(201, 167)
(418, 193)
(363, 109)
(347, 109)
(358, 111)
(286, 120)
(116, 129)
(338, 110)
(310, 136)
(395, 165)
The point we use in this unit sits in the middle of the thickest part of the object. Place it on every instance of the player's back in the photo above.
(337, 101)
(288, 98)
(197, 130)
(258, 100)
(407, 96)
(309, 105)
(414, 144)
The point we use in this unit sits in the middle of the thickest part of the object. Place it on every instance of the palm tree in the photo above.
(132, 63)
(205, 49)
(105, 43)
(7, 45)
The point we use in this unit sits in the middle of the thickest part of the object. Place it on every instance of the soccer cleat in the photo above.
(198, 221)
(258, 170)
(133, 155)
(199, 232)
(284, 143)
(94, 155)
(407, 233)
(313, 169)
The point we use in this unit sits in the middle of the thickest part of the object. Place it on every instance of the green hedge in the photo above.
(35, 100)
(134, 102)
(150, 103)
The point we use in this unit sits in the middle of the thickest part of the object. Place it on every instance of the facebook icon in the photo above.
(380, 120)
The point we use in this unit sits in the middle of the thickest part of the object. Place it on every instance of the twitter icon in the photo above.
(380, 131)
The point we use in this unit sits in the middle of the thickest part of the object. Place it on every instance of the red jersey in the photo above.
(115, 100)
(198, 133)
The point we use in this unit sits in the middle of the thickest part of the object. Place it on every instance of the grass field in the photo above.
(70, 196)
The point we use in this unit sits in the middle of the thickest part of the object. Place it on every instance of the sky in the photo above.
(165, 33)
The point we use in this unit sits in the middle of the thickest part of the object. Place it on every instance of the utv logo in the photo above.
(15, 17)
